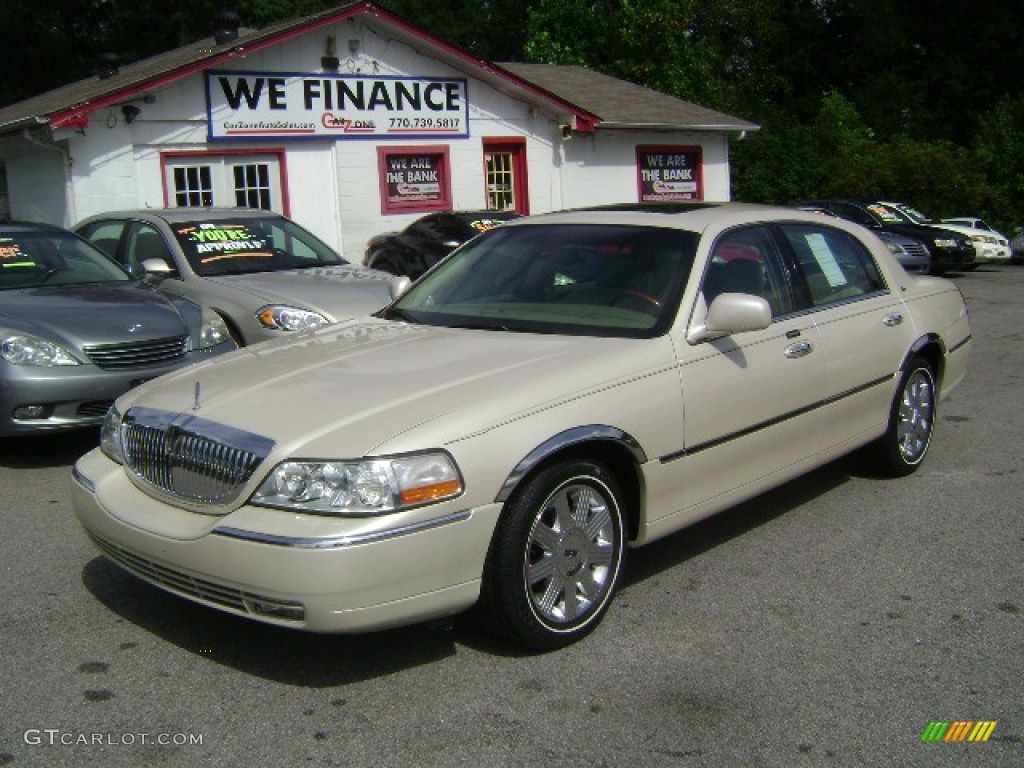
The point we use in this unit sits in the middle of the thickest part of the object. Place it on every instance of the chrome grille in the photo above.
(189, 457)
(138, 354)
(916, 248)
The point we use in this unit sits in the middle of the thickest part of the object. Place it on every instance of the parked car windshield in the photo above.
(238, 246)
(37, 258)
(600, 280)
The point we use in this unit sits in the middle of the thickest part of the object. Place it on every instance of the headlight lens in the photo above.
(214, 330)
(896, 248)
(32, 350)
(367, 487)
(110, 436)
(290, 318)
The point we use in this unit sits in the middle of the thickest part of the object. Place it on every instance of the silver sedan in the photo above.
(263, 273)
(76, 331)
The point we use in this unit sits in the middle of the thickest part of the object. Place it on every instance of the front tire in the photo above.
(556, 557)
(903, 447)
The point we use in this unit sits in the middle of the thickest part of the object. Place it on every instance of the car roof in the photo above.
(690, 216)
(18, 227)
(188, 214)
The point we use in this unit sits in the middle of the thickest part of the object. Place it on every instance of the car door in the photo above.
(751, 398)
(861, 323)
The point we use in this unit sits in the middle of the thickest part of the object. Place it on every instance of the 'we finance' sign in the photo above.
(255, 105)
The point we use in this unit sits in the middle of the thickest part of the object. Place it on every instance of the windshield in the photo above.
(34, 258)
(915, 216)
(238, 246)
(595, 280)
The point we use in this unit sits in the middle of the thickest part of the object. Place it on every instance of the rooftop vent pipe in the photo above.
(228, 23)
(108, 64)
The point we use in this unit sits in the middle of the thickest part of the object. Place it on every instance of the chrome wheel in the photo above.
(915, 415)
(901, 450)
(556, 557)
(571, 554)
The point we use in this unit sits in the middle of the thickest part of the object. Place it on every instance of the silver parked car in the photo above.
(558, 390)
(912, 254)
(263, 273)
(77, 331)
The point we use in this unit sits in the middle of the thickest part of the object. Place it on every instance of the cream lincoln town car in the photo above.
(558, 390)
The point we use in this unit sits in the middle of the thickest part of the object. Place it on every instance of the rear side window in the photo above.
(836, 266)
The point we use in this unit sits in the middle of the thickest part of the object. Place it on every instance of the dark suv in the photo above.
(951, 251)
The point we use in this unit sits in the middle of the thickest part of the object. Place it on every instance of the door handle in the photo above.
(799, 349)
(893, 320)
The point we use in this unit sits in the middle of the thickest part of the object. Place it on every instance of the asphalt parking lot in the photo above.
(827, 623)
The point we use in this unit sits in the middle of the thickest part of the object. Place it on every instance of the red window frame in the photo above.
(387, 155)
(643, 152)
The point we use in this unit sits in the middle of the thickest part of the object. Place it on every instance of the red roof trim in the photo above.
(78, 116)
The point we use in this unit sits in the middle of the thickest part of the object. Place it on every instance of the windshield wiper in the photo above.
(398, 314)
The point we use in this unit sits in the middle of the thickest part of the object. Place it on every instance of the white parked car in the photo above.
(560, 389)
(996, 245)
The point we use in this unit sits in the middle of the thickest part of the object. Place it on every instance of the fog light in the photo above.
(274, 609)
(33, 412)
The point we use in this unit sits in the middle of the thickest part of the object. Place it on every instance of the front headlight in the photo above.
(110, 435)
(367, 487)
(290, 318)
(24, 349)
(896, 248)
(214, 330)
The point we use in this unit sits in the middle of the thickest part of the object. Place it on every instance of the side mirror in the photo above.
(152, 268)
(732, 313)
(398, 285)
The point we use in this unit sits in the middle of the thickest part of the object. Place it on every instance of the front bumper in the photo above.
(346, 578)
(72, 397)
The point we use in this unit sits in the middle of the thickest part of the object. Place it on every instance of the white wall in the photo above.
(35, 181)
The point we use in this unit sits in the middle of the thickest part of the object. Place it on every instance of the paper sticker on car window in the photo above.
(826, 260)
(11, 255)
(482, 225)
(214, 242)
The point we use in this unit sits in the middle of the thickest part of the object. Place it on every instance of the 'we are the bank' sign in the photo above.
(259, 105)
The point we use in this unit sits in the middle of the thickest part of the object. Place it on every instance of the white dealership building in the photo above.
(352, 122)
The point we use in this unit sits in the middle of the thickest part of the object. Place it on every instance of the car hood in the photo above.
(338, 293)
(353, 389)
(99, 313)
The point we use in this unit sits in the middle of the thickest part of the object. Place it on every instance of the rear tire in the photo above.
(556, 557)
(903, 447)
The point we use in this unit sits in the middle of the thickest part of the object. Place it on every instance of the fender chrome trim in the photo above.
(337, 542)
(563, 440)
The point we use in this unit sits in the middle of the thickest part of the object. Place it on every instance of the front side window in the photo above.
(835, 265)
(239, 246)
(573, 279)
(747, 260)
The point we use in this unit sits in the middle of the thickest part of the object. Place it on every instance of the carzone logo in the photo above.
(958, 730)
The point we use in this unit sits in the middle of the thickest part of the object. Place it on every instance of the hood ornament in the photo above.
(196, 405)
